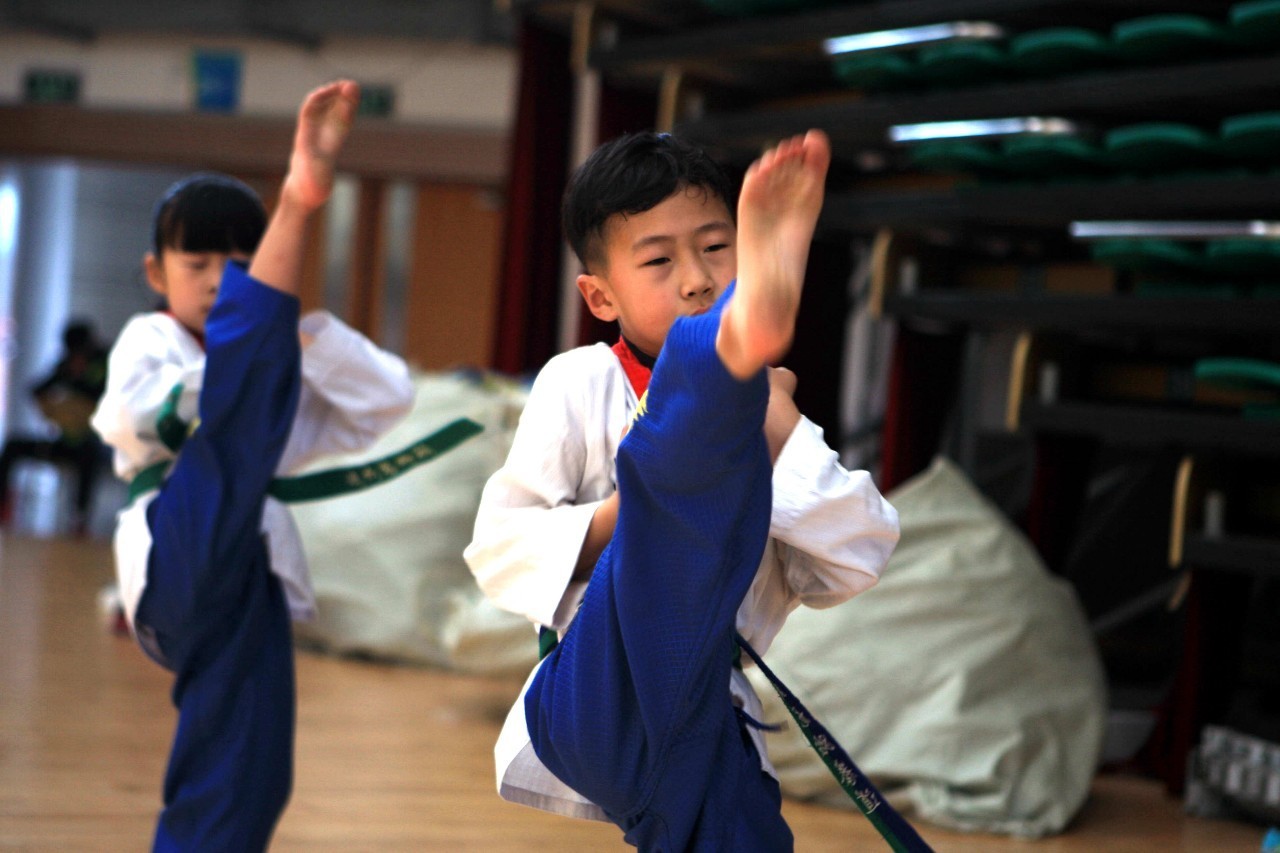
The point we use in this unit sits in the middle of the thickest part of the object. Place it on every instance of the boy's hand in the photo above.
(781, 417)
(323, 123)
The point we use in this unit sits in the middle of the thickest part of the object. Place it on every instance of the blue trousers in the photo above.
(633, 708)
(218, 613)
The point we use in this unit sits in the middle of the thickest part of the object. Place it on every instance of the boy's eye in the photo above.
(656, 262)
(716, 247)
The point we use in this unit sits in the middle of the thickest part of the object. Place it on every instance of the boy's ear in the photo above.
(596, 294)
(155, 273)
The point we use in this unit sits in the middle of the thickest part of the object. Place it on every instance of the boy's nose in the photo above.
(698, 284)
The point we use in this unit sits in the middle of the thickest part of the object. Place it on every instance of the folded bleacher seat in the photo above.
(1059, 50)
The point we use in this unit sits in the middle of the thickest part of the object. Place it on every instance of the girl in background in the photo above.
(206, 402)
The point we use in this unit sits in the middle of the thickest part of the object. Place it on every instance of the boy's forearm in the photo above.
(599, 532)
(841, 528)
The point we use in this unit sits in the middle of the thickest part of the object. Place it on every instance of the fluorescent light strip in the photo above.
(1101, 230)
(912, 37)
(988, 127)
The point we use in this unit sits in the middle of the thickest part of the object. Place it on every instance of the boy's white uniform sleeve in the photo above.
(834, 530)
(535, 510)
(352, 392)
(151, 356)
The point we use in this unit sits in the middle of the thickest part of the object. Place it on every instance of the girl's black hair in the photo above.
(208, 212)
(632, 174)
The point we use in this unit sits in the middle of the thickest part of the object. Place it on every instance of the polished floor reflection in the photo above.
(389, 758)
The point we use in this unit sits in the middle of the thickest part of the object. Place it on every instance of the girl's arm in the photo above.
(352, 392)
(146, 363)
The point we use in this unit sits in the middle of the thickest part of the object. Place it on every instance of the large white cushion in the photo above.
(966, 681)
(387, 562)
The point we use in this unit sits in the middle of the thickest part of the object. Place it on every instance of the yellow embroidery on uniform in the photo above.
(641, 408)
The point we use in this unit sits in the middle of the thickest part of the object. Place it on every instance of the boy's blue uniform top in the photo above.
(632, 709)
(216, 610)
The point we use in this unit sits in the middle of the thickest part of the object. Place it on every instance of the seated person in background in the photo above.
(66, 398)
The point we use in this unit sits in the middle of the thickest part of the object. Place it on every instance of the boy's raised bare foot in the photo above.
(777, 211)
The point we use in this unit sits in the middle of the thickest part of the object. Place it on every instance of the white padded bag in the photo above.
(387, 562)
(966, 681)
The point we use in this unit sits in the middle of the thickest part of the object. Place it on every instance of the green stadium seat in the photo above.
(1254, 137)
(962, 62)
(1051, 156)
(956, 155)
(1160, 146)
(1239, 373)
(1243, 257)
(1256, 22)
(875, 70)
(1058, 50)
(1161, 37)
(1140, 255)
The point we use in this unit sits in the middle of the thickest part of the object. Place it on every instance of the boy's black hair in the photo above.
(208, 212)
(632, 174)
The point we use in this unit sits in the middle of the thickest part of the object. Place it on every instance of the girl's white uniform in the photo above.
(352, 392)
(831, 533)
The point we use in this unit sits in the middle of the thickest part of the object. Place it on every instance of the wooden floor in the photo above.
(389, 758)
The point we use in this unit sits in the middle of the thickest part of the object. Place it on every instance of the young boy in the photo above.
(649, 219)
(211, 569)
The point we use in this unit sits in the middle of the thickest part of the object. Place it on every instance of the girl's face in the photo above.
(189, 282)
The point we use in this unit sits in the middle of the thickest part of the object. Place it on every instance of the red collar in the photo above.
(199, 337)
(637, 372)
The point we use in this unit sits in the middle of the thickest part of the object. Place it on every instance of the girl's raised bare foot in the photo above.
(323, 123)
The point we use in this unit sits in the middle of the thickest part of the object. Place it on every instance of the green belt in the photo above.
(893, 828)
(339, 481)
(900, 835)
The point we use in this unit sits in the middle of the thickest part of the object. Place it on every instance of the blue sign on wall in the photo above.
(217, 80)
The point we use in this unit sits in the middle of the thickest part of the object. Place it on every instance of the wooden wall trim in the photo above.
(452, 301)
(249, 144)
(367, 283)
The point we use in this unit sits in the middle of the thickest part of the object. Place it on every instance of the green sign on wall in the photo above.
(44, 86)
(377, 100)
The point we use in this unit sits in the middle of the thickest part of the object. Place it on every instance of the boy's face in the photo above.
(189, 282)
(670, 261)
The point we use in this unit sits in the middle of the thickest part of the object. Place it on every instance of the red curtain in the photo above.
(529, 286)
(922, 385)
